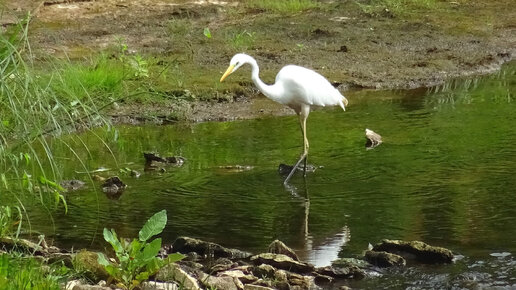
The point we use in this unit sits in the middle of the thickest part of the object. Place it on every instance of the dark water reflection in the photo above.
(444, 175)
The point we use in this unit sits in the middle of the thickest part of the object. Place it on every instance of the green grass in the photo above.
(100, 77)
(27, 273)
(242, 40)
(284, 6)
(36, 104)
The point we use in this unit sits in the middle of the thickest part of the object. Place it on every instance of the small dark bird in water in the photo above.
(373, 138)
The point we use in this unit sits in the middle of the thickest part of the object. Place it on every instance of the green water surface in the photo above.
(445, 175)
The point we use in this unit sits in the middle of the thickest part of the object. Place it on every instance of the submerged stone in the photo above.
(206, 249)
(113, 187)
(422, 252)
(282, 262)
(72, 185)
(342, 272)
(155, 162)
(384, 259)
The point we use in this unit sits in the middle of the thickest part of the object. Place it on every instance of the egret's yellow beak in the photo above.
(227, 73)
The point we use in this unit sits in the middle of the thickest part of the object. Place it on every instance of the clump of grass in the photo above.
(35, 105)
(284, 6)
(243, 40)
(27, 273)
(95, 78)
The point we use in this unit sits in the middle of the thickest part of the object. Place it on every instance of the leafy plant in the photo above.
(243, 40)
(136, 63)
(136, 261)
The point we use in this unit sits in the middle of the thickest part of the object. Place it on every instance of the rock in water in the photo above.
(423, 253)
(207, 249)
(73, 184)
(278, 247)
(384, 259)
(282, 262)
(113, 187)
(373, 139)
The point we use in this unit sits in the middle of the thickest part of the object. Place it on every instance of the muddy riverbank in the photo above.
(355, 44)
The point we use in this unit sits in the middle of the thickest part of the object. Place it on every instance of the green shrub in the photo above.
(137, 260)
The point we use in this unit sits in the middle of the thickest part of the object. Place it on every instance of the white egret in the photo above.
(297, 87)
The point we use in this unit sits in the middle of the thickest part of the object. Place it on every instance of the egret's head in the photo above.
(236, 61)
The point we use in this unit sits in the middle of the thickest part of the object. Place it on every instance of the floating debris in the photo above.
(373, 139)
(73, 184)
(236, 168)
(113, 187)
(155, 162)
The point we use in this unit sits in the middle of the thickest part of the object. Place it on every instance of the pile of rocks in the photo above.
(211, 266)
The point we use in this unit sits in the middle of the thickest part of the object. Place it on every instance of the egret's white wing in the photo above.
(302, 85)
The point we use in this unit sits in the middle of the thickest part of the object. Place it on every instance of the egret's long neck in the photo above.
(269, 91)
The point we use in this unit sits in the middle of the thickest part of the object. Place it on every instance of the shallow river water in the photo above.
(445, 175)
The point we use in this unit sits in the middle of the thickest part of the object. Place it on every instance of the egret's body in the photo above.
(295, 86)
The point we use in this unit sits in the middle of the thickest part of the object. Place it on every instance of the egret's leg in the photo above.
(305, 110)
(294, 168)
(303, 115)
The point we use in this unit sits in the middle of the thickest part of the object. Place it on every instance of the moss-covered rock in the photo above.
(422, 252)
(206, 249)
(278, 247)
(282, 262)
(86, 261)
(384, 259)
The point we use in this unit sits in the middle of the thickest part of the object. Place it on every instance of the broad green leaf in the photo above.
(110, 237)
(113, 271)
(207, 32)
(43, 180)
(174, 257)
(153, 226)
(102, 259)
(151, 250)
(135, 247)
(154, 265)
(141, 277)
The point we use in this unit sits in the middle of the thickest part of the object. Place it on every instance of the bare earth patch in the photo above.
(351, 46)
